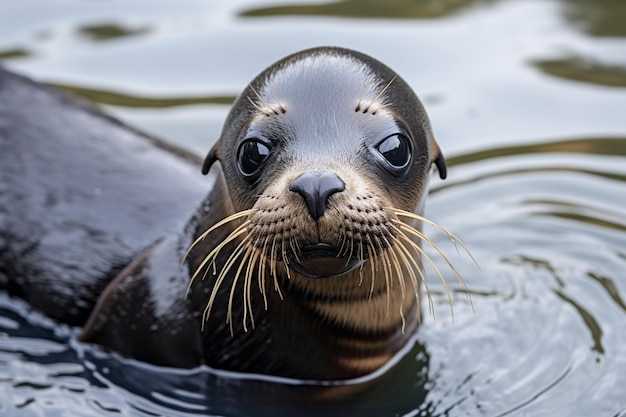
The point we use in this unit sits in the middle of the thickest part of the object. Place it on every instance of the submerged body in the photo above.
(304, 257)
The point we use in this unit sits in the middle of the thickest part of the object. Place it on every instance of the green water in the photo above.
(527, 100)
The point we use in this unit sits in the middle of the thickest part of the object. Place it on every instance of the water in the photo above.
(528, 101)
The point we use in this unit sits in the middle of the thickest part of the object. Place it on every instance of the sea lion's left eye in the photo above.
(396, 151)
(251, 155)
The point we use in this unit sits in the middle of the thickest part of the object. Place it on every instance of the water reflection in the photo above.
(108, 31)
(589, 320)
(601, 18)
(546, 221)
(14, 53)
(604, 18)
(584, 69)
(133, 100)
(395, 9)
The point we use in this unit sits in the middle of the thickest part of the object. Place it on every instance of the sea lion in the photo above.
(300, 257)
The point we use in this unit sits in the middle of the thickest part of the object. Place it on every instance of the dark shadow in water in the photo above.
(588, 319)
(591, 146)
(579, 68)
(594, 220)
(571, 211)
(14, 53)
(127, 100)
(597, 18)
(590, 322)
(109, 31)
(603, 18)
(613, 146)
(610, 288)
(373, 9)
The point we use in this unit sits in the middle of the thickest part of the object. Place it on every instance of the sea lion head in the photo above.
(325, 147)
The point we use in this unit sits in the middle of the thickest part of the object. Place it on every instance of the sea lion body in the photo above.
(299, 265)
(81, 196)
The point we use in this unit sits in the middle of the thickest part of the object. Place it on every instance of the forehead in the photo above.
(320, 79)
(328, 99)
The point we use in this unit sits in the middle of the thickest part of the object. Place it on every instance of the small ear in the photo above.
(440, 163)
(211, 157)
(439, 160)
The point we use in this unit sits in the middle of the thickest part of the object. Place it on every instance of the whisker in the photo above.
(222, 222)
(373, 260)
(273, 265)
(252, 260)
(400, 277)
(233, 286)
(452, 236)
(259, 108)
(278, 101)
(293, 243)
(264, 260)
(218, 282)
(284, 256)
(425, 238)
(379, 95)
(210, 258)
(265, 103)
(386, 270)
(424, 255)
(361, 96)
(418, 267)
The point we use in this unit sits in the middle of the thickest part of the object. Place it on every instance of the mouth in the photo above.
(322, 260)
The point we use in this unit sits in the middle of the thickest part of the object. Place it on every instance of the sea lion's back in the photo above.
(80, 195)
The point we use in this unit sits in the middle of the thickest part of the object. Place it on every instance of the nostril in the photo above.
(316, 188)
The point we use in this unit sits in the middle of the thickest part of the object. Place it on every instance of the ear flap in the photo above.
(440, 163)
(211, 157)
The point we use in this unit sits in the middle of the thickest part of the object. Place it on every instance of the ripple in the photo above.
(546, 224)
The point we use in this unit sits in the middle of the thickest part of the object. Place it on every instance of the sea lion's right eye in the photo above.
(252, 154)
(396, 152)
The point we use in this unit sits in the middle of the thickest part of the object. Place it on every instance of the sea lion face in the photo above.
(324, 148)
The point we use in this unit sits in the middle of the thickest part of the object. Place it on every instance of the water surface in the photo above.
(528, 101)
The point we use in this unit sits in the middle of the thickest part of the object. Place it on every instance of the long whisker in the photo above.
(210, 258)
(409, 260)
(263, 261)
(283, 253)
(265, 103)
(387, 271)
(256, 106)
(218, 282)
(217, 225)
(418, 267)
(273, 266)
(233, 285)
(422, 254)
(455, 239)
(253, 256)
(396, 266)
(373, 260)
(379, 95)
(423, 237)
(281, 107)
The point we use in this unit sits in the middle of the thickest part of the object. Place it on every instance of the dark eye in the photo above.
(396, 150)
(251, 155)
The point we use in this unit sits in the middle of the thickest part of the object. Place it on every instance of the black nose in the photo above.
(315, 188)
